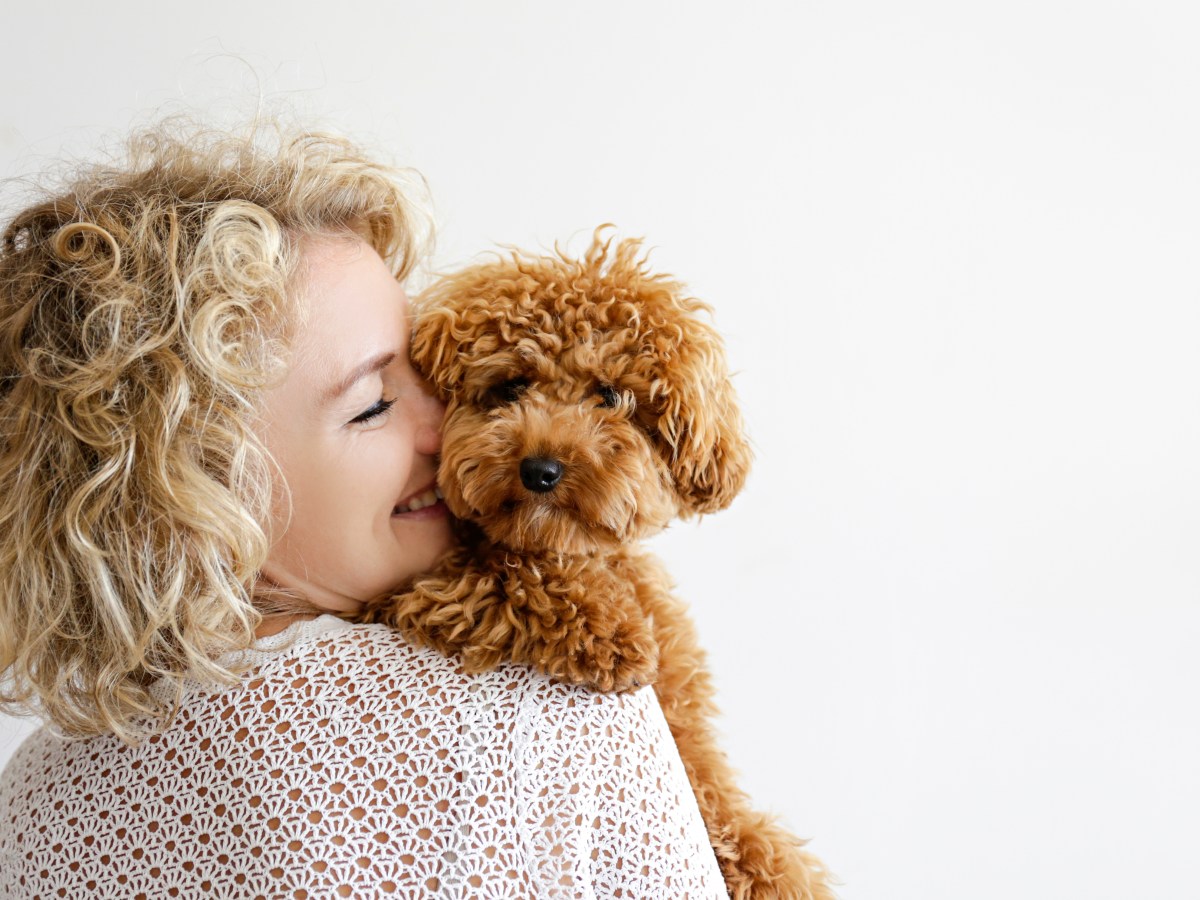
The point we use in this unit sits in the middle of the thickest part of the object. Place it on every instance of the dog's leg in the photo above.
(568, 618)
(758, 857)
(579, 623)
(457, 609)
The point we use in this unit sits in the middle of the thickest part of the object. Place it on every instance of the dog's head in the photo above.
(588, 401)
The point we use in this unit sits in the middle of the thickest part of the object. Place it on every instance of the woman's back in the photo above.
(352, 763)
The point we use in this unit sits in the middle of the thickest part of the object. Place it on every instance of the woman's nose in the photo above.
(427, 414)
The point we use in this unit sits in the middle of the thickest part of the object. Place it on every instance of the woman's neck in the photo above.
(276, 624)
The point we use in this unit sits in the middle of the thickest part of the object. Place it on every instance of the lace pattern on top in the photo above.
(351, 763)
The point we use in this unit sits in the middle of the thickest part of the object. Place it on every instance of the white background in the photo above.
(954, 616)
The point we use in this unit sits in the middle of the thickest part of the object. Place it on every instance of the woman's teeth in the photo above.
(421, 501)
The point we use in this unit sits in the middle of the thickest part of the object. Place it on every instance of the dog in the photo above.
(588, 405)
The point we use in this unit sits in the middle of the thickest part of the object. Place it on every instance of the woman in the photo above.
(211, 441)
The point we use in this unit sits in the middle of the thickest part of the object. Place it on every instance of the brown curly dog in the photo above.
(587, 405)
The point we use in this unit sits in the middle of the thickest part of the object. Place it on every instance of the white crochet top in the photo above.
(350, 763)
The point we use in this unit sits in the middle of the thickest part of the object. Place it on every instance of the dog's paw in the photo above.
(629, 674)
(625, 662)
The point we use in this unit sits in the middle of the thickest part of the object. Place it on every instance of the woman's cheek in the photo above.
(392, 455)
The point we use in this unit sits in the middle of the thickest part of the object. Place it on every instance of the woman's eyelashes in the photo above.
(375, 411)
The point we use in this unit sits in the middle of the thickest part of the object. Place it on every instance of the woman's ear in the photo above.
(699, 424)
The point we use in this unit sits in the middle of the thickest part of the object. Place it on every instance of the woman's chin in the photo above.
(422, 537)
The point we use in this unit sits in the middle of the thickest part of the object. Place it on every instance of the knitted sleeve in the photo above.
(352, 764)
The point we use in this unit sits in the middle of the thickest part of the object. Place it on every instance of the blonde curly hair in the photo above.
(144, 306)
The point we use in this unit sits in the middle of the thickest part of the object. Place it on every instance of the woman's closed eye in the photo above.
(378, 409)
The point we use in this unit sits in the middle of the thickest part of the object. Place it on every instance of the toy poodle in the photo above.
(588, 404)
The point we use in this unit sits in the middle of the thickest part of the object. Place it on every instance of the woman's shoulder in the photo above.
(341, 687)
(326, 677)
(349, 688)
(370, 666)
(374, 668)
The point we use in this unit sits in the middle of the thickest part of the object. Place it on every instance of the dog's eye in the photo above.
(608, 396)
(508, 391)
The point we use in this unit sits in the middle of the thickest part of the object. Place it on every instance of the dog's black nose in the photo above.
(540, 474)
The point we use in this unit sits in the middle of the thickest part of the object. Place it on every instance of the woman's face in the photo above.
(355, 431)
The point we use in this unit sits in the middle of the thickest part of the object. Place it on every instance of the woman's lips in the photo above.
(424, 504)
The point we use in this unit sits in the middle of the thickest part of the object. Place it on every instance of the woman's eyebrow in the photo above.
(372, 365)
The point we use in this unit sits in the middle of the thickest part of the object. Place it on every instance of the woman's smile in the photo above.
(425, 504)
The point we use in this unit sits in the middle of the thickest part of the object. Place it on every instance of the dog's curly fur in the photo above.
(613, 374)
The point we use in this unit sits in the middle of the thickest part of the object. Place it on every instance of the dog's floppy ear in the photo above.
(471, 322)
(697, 418)
(434, 350)
(452, 319)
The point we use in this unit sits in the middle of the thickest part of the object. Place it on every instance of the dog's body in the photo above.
(588, 404)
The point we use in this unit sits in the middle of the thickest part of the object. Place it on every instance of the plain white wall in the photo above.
(954, 616)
